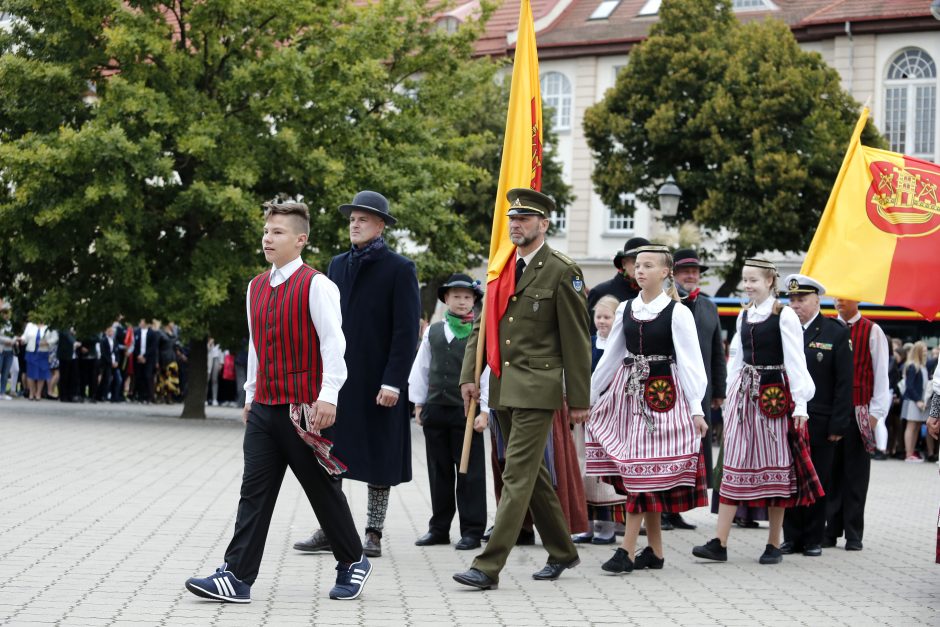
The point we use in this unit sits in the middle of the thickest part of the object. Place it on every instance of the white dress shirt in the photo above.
(689, 364)
(327, 318)
(143, 340)
(936, 380)
(802, 387)
(878, 345)
(30, 334)
(528, 258)
(420, 369)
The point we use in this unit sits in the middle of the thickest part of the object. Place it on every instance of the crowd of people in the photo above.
(146, 363)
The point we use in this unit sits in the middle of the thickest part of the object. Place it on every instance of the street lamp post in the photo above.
(669, 195)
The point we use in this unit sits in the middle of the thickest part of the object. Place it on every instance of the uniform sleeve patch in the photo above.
(577, 284)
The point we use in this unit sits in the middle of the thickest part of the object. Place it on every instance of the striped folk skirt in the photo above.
(659, 469)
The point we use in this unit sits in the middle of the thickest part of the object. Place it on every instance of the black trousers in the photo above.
(68, 379)
(443, 439)
(104, 382)
(804, 526)
(143, 379)
(271, 445)
(851, 471)
(87, 384)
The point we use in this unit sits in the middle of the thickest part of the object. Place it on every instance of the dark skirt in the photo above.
(674, 501)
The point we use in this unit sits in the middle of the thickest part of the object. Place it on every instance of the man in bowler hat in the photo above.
(544, 360)
(829, 361)
(381, 312)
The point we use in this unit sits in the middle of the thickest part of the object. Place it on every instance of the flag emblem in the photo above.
(903, 200)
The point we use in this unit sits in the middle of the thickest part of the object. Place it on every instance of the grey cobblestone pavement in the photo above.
(106, 510)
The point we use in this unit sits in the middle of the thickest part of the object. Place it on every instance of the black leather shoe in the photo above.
(711, 550)
(678, 521)
(526, 538)
(789, 547)
(475, 579)
(317, 543)
(665, 523)
(466, 543)
(853, 545)
(647, 559)
(372, 544)
(829, 543)
(812, 550)
(431, 538)
(772, 555)
(619, 563)
(551, 571)
(487, 534)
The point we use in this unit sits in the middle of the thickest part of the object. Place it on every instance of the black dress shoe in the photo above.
(828, 543)
(853, 545)
(619, 563)
(372, 544)
(476, 579)
(812, 550)
(879, 456)
(526, 538)
(711, 550)
(665, 523)
(789, 547)
(431, 538)
(467, 542)
(317, 543)
(677, 521)
(487, 534)
(551, 571)
(647, 559)
(772, 555)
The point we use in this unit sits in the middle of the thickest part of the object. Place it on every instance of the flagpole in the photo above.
(472, 410)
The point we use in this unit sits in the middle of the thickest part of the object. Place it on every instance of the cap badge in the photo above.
(794, 285)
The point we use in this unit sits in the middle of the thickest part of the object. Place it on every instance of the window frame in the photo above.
(902, 95)
(562, 98)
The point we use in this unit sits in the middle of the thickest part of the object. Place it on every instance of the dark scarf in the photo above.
(460, 326)
(369, 251)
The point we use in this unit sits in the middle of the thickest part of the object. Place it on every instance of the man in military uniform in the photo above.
(829, 361)
(543, 339)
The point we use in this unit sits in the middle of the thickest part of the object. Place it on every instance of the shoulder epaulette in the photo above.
(563, 257)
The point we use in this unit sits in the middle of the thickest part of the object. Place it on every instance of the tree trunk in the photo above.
(194, 405)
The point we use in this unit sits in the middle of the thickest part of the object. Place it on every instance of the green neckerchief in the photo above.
(461, 327)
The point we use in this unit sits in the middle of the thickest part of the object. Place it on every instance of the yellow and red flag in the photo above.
(879, 236)
(521, 167)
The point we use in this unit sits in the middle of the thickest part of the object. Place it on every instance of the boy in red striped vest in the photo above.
(295, 366)
(872, 399)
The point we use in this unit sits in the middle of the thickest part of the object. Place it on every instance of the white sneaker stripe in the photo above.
(229, 587)
(219, 587)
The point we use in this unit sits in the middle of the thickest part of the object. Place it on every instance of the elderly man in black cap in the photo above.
(687, 272)
(434, 388)
(831, 412)
(622, 286)
(381, 313)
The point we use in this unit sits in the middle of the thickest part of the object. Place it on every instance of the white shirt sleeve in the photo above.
(485, 390)
(420, 371)
(936, 380)
(802, 387)
(881, 398)
(613, 356)
(251, 374)
(689, 362)
(735, 353)
(327, 317)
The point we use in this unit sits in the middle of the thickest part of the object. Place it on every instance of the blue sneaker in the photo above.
(221, 586)
(350, 579)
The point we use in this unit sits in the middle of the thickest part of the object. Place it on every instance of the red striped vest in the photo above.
(289, 366)
(864, 381)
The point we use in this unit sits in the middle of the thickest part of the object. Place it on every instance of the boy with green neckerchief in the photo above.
(434, 388)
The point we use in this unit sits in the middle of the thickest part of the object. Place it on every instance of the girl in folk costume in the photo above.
(646, 426)
(766, 450)
(605, 508)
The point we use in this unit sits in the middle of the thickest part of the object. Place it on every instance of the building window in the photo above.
(604, 9)
(556, 95)
(752, 5)
(617, 223)
(559, 220)
(449, 24)
(911, 104)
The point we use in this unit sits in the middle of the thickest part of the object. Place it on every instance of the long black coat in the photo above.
(829, 361)
(381, 314)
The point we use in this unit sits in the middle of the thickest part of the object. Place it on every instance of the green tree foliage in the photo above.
(752, 127)
(138, 139)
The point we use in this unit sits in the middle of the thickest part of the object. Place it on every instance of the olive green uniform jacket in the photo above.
(544, 338)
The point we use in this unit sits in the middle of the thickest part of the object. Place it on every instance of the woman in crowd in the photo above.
(913, 404)
(647, 424)
(766, 458)
(38, 339)
(215, 369)
(605, 508)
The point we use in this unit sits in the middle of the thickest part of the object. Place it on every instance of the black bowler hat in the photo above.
(528, 202)
(685, 257)
(373, 202)
(629, 250)
(460, 280)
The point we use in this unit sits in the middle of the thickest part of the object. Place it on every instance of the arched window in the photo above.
(911, 104)
(556, 95)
